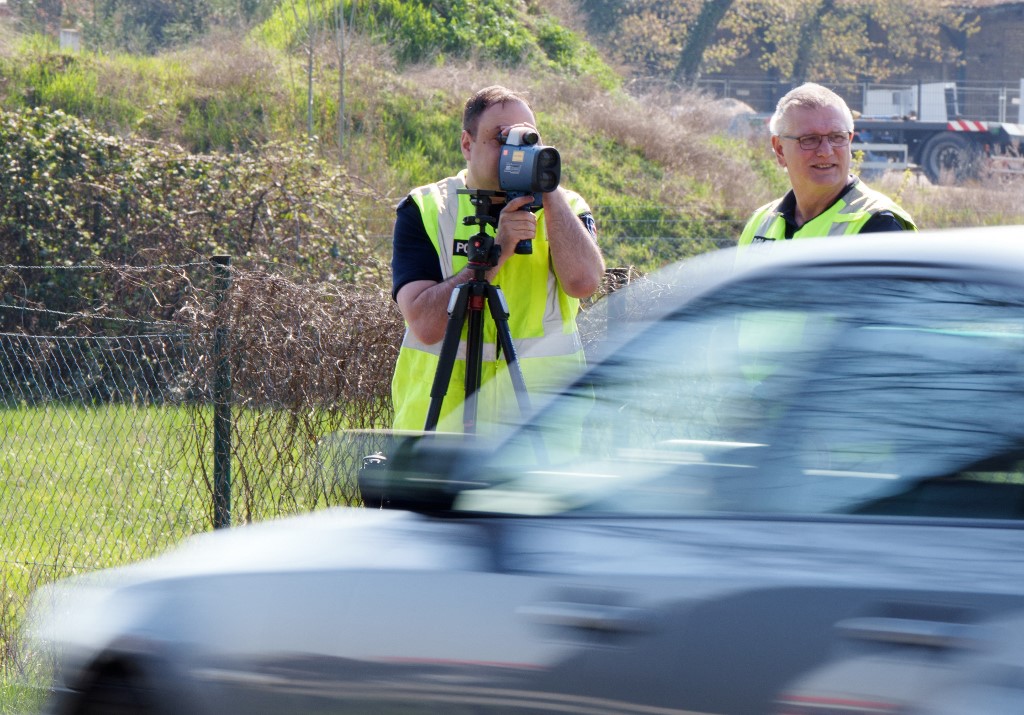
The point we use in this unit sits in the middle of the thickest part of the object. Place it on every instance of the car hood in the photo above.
(743, 552)
(198, 594)
(367, 539)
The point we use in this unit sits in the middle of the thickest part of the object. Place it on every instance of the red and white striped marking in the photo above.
(966, 125)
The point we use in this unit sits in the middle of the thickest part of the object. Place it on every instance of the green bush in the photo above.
(566, 51)
(75, 196)
(146, 26)
(510, 33)
(419, 30)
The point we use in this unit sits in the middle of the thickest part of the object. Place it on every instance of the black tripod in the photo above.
(467, 303)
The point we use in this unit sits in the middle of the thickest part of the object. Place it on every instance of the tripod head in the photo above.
(482, 252)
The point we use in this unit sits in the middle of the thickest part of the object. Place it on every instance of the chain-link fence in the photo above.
(108, 422)
(102, 455)
(111, 421)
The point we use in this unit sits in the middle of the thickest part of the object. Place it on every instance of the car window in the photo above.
(806, 396)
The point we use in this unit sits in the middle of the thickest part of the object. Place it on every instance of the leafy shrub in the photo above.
(510, 33)
(459, 28)
(75, 196)
(145, 26)
(226, 96)
(567, 51)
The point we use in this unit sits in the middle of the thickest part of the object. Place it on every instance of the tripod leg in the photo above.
(449, 350)
(499, 311)
(474, 357)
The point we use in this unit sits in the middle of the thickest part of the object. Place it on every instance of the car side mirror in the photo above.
(418, 472)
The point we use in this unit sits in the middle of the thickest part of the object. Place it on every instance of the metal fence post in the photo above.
(222, 399)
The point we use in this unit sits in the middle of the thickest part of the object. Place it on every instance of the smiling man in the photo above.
(811, 132)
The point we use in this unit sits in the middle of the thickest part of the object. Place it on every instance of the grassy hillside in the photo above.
(650, 167)
(663, 175)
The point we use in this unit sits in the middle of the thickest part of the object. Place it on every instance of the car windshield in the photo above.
(818, 395)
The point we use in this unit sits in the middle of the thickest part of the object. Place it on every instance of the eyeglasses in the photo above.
(813, 141)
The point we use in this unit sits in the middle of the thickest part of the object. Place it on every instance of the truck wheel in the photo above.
(949, 158)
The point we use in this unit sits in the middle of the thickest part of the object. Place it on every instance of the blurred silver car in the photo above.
(794, 485)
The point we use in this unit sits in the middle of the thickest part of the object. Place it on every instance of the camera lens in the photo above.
(548, 169)
(530, 137)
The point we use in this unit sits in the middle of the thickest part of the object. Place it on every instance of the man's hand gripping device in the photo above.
(526, 167)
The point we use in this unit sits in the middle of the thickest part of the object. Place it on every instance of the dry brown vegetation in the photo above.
(987, 202)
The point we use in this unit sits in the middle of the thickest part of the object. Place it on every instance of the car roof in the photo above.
(990, 250)
(995, 252)
(996, 246)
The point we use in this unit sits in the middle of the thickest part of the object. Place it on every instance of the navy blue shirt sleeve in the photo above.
(881, 222)
(413, 257)
(588, 221)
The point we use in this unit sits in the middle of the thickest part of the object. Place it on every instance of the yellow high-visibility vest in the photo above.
(542, 322)
(845, 217)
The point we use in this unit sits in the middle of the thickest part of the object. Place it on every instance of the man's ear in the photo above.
(465, 142)
(777, 149)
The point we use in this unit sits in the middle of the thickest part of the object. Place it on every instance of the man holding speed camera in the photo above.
(557, 263)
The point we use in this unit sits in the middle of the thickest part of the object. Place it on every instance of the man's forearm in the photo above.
(425, 307)
(575, 255)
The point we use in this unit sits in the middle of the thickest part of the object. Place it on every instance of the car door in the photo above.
(773, 477)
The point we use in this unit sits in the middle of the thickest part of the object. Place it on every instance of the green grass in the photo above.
(21, 698)
(207, 99)
(72, 473)
(84, 488)
(90, 487)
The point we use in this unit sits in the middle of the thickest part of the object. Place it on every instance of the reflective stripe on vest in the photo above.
(846, 216)
(549, 346)
(446, 221)
(542, 317)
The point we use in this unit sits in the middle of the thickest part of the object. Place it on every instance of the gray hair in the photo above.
(808, 96)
